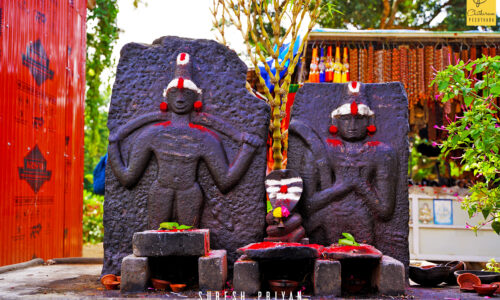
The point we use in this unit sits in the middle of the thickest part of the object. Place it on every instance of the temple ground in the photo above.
(77, 281)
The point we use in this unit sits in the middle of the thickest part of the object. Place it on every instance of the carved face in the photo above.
(352, 128)
(181, 100)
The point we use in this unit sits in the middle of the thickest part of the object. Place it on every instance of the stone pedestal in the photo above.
(389, 276)
(246, 277)
(134, 274)
(212, 270)
(327, 279)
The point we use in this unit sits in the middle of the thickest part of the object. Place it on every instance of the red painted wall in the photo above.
(42, 86)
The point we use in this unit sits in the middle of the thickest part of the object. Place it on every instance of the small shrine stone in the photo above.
(153, 243)
(212, 270)
(246, 277)
(327, 278)
(135, 274)
(389, 276)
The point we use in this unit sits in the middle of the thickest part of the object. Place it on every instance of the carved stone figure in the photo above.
(185, 146)
(349, 144)
(179, 145)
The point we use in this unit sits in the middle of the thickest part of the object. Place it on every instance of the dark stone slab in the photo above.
(212, 271)
(355, 184)
(153, 243)
(233, 211)
(280, 251)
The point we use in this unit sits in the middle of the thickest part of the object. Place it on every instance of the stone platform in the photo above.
(382, 273)
(150, 247)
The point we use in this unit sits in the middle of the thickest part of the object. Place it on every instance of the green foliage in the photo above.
(102, 34)
(396, 14)
(93, 229)
(492, 266)
(348, 240)
(173, 225)
(420, 166)
(477, 133)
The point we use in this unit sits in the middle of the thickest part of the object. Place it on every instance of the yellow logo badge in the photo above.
(481, 13)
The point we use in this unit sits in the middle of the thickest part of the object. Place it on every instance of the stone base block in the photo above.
(164, 243)
(246, 277)
(135, 274)
(327, 278)
(212, 270)
(389, 276)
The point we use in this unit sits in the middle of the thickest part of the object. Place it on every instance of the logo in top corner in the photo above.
(35, 169)
(37, 61)
(481, 13)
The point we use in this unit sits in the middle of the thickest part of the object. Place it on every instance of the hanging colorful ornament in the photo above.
(337, 66)
(329, 65)
(369, 67)
(322, 67)
(345, 67)
(353, 64)
(313, 69)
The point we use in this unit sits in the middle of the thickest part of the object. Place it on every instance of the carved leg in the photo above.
(188, 206)
(159, 205)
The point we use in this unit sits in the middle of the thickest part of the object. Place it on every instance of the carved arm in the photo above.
(226, 176)
(138, 160)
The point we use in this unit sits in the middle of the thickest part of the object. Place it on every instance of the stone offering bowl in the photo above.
(429, 275)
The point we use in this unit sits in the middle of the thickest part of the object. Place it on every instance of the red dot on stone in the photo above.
(163, 106)
(333, 129)
(198, 105)
(284, 189)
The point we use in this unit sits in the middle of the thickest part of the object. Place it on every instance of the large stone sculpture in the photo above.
(185, 145)
(349, 144)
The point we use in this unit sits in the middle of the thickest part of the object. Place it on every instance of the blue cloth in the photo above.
(270, 62)
(99, 175)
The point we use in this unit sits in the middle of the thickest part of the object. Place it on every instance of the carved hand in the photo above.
(251, 139)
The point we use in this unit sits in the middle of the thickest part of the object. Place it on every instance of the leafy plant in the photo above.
(173, 225)
(476, 133)
(93, 229)
(251, 18)
(492, 266)
(348, 240)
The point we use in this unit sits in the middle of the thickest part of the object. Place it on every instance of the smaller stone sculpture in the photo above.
(179, 144)
(284, 188)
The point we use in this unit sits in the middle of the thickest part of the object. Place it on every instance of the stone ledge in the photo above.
(212, 270)
(152, 243)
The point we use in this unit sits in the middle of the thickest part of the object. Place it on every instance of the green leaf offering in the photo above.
(348, 240)
(168, 225)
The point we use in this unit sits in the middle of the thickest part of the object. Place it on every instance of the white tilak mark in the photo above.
(284, 181)
(345, 109)
(275, 189)
(280, 196)
(188, 84)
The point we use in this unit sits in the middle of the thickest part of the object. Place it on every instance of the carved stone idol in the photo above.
(349, 144)
(186, 145)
